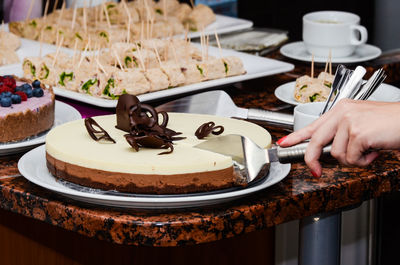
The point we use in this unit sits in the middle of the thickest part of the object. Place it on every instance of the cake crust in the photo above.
(141, 183)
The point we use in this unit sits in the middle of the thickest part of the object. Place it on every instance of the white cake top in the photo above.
(71, 143)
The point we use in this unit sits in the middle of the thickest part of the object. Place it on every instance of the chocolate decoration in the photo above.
(142, 123)
(125, 103)
(207, 128)
(89, 123)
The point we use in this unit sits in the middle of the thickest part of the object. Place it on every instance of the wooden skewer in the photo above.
(84, 17)
(46, 9)
(118, 60)
(129, 21)
(101, 11)
(107, 16)
(61, 15)
(312, 66)
(191, 3)
(326, 66)
(84, 52)
(207, 45)
(101, 66)
(202, 46)
(157, 55)
(186, 33)
(141, 31)
(41, 43)
(73, 16)
(218, 43)
(28, 15)
(330, 62)
(74, 54)
(151, 28)
(140, 57)
(58, 51)
(55, 6)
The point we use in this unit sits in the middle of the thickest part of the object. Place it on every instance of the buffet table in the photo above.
(77, 231)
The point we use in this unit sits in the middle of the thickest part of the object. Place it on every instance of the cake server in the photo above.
(254, 161)
(219, 103)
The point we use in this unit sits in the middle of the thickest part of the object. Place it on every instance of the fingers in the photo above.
(356, 150)
(340, 143)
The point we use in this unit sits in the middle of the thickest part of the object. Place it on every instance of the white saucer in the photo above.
(297, 50)
(63, 113)
(384, 92)
(32, 166)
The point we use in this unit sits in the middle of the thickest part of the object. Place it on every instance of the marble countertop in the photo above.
(297, 196)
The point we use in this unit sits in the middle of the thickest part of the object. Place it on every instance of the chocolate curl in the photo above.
(99, 133)
(142, 123)
(207, 128)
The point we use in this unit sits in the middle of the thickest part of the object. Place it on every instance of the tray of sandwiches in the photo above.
(94, 66)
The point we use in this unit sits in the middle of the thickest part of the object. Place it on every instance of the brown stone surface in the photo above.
(297, 196)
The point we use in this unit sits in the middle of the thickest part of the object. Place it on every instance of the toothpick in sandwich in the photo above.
(312, 66)
(218, 43)
(58, 51)
(28, 15)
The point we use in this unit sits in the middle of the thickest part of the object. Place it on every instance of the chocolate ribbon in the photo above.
(206, 128)
(99, 133)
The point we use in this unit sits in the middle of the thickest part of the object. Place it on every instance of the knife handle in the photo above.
(272, 117)
(297, 152)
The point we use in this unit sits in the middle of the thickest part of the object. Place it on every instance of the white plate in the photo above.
(255, 66)
(224, 24)
(384, 92)
(297, 50)
(63, 113)
(33, 167)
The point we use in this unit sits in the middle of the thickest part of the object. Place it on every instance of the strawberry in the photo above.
(23, 96)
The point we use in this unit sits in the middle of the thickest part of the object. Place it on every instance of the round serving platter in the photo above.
(33, 167)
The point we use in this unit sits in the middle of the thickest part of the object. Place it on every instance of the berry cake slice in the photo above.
(26, 109)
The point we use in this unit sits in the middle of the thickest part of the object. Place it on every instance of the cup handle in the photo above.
(363, 35)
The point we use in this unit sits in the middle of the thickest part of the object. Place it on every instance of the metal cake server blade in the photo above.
(219, 103)
(254, 160)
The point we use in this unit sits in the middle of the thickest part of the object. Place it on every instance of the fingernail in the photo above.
(281, 140)
(314, 174)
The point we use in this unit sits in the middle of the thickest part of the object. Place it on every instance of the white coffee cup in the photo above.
(305, 114)
(333, 31)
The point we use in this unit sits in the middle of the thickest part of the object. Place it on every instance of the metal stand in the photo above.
(319, 241)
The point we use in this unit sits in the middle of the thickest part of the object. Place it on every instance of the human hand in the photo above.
(354, 128)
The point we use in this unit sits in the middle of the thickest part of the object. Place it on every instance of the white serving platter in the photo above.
(224, 24)
(33, 167)
(63, 113)
(255, 66)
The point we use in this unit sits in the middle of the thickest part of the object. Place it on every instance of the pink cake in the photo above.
(25, 110)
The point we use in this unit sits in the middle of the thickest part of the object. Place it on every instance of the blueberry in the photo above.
(36, 83)
(38, 92)
(19, 88)
(8, 76)
(6, 94)
(26, 86)
(5, 102)
(28, 92)
(16, 99)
